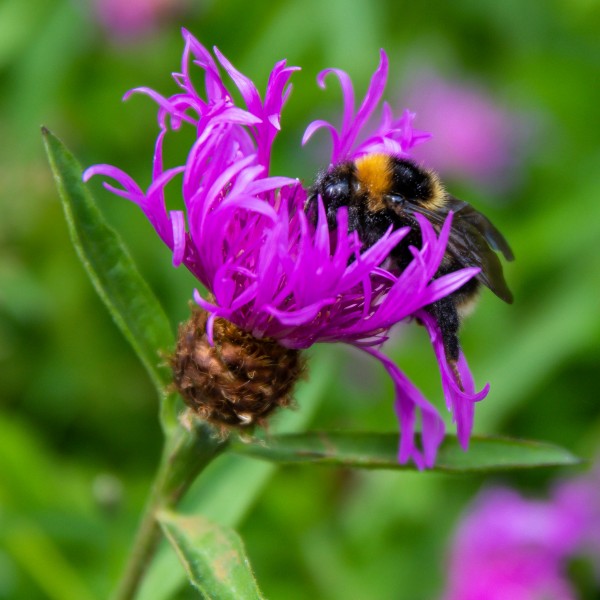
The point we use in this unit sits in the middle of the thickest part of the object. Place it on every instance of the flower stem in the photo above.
(185, 455)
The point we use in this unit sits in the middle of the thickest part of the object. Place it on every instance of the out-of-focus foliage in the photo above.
(79, 433)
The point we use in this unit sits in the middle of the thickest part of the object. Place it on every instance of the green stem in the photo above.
(185, 455)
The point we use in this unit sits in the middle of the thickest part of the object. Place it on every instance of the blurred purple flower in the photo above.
(245, 236)
(580, 498)
(134, 18)
(511, 547)
(475, 138)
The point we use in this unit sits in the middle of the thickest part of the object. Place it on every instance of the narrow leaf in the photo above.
(127, 296)
(379, 451)
(44, 562)
(213, 556)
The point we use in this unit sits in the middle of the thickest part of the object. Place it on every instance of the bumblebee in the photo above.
(380, 191)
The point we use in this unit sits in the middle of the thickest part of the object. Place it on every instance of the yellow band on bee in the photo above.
(374, 173)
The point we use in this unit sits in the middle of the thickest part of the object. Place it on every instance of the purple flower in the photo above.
(244, 234)
(508, 546)
(134, 18)
(511, 547)
(580, 498)
(475, 138)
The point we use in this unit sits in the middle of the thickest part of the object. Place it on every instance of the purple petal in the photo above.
(408, 401)
(301, 316)
(178, 222)
(446, 284)
(459, 401)
(161, 101)
(244, 84)
(318, 124)
(109, 171)
(372, 98)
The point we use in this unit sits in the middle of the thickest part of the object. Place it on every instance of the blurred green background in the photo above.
(79, 437)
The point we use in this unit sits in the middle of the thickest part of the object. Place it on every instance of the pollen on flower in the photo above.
(238, 380)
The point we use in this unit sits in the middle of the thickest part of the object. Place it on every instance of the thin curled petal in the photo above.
(372, 98)
(119, 176)
(244, 84)
(316, 125)
(460, 395)
(408, 401)
(391, 136)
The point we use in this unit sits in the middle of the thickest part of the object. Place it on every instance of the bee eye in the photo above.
(396, 198)
(337, 190)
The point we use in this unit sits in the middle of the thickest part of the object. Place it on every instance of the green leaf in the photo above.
(212, 555)
(127, 296)
(379, 451)
(42, 560)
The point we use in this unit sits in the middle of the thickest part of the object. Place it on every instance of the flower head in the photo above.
(244, 234)
(135, 18)
(511, 547)
(579, 498)
(475, 138)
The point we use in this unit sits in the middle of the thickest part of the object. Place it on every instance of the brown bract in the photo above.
(237, 382)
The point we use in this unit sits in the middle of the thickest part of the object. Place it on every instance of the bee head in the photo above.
(335, 186)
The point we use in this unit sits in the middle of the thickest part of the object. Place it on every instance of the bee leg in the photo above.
(446, 315)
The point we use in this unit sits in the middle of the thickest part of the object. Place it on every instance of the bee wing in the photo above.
(472, 249)
(463, 211)
(472, 242)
